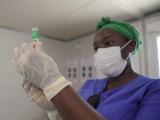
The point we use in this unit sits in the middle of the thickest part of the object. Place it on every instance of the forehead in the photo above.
(103, 33)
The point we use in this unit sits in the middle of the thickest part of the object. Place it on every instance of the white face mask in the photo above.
(109, 60)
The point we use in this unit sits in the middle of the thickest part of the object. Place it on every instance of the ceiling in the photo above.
(69, 19)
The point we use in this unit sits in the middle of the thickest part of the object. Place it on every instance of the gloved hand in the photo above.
(37, 96)
(38, 67)
(54, 115)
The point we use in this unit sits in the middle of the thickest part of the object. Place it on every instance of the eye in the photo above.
(109, 43)
(95, 46)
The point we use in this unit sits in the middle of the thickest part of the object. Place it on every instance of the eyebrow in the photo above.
(107, 36)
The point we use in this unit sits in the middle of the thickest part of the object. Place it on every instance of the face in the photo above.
(105, 38)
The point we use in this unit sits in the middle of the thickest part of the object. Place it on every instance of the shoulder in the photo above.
(151, 83)
(93, 82)
(152, 92)
(149, 107)
(154, 85)
(89, 83)
(91, 87)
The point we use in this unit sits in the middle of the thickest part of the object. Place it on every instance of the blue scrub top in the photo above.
(138, 99)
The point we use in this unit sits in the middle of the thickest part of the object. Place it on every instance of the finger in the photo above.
(37, 45)
(20, 70)
(16, 55)
(34, 91)
(27, 86)
(16, 52)
(25, 48)
(24, 82)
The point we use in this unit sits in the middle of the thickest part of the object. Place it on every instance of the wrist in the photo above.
(53, 89)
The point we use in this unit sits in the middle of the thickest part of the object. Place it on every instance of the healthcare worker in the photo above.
(122, 95)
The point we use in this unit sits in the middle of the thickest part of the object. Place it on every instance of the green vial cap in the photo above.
(35, 34)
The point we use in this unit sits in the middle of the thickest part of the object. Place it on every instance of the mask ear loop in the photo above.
(124, 47)
(126, 44)
(128, 56)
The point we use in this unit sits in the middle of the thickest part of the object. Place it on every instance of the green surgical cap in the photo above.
(124, 28)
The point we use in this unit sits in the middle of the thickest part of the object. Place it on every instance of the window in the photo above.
(158, 48)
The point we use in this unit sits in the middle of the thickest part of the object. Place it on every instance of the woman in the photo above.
(122, 95)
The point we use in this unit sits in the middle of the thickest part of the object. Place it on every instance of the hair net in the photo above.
(124, 28)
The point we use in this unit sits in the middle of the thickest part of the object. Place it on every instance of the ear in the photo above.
(132, 46)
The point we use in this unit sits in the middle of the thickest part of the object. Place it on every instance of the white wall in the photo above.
(153, 30)
(79, 53)
(14, 105)
(139, 59)
(152, 55)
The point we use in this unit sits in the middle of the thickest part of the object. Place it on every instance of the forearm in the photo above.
(72, 107)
